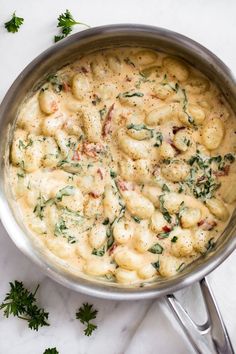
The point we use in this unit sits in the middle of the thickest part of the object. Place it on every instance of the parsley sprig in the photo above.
(51, 351)
(20, 302)
(14, 24)
(85, 314)
(66, 23)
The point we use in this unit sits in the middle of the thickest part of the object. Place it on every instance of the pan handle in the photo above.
(212, 336)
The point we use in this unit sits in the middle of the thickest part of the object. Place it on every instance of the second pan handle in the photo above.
(212, 336)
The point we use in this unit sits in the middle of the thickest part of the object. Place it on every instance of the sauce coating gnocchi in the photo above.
(122, 166)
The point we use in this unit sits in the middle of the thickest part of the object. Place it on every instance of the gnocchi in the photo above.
(122, 165)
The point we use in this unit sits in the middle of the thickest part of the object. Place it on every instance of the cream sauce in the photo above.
(121, 163)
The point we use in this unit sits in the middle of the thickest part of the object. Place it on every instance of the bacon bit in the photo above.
(122, 185)
(166, 228)
(76, 156)
(175, 129)
(84, 70)
(224, 172)
(154, 96)
(66, 86)
(100, 173)
(201, 179)
(177, 151)
(156, 170)
(207, 224)
(94, 194)
(54, 106)
(122, 120)
(113, 247)
(107, 125)
(127, 78)
(92, 150)
(96, 99)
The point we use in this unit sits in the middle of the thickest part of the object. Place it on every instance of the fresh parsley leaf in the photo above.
(156, 265)
(156, 249)
(165, 188)
(110, 238)
(99, 251)
(136, 219)
(14, 24)
(163, 235)
(66, 23)
(51, 351)
(113, 174)
(129, 62)
(229, 157)
(164, 210)
(106, 221)
(131, 94)
(139, 127)
(102, 112)
(20, 302)
(211, 244)
(85, 314)
(56, 82)
(181, 267)
(174, 239)
(66, 191)
(159, 139)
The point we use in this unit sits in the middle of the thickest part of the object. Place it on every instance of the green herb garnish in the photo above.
(20, 302)
(51, 351)
(64, 192)
(139, 127)
(131, 94)
(99, 251)
(163, 210)
(106, 221)
(181, 267)
(66, 23)
(14, 24)
(159, 139)
(156, 249)
(113, 174)
(56, 82)
(129, 62)
(165, 188)
(136, 219)
(174, 239)
(85, 314)
(156, 265)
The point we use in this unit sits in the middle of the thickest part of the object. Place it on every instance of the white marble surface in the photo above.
(144, 327)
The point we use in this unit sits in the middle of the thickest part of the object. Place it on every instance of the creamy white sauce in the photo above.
(122, 164)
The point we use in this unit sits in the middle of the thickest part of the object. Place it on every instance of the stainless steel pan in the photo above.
(55, 57)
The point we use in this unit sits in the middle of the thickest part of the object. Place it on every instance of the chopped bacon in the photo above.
(166, 228)
(156, 170)
(177, 151)
(92, 149)
(66, 86)
(113, 247)
(154, 96)
(128, 79)
(84, 70)
(54, 106)
(201, 179)
(99, 171)
(107, 125)
(207, 224)
(122, 185)
(175, 129)
(223, 172)
(94, 194)
(76, 156)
